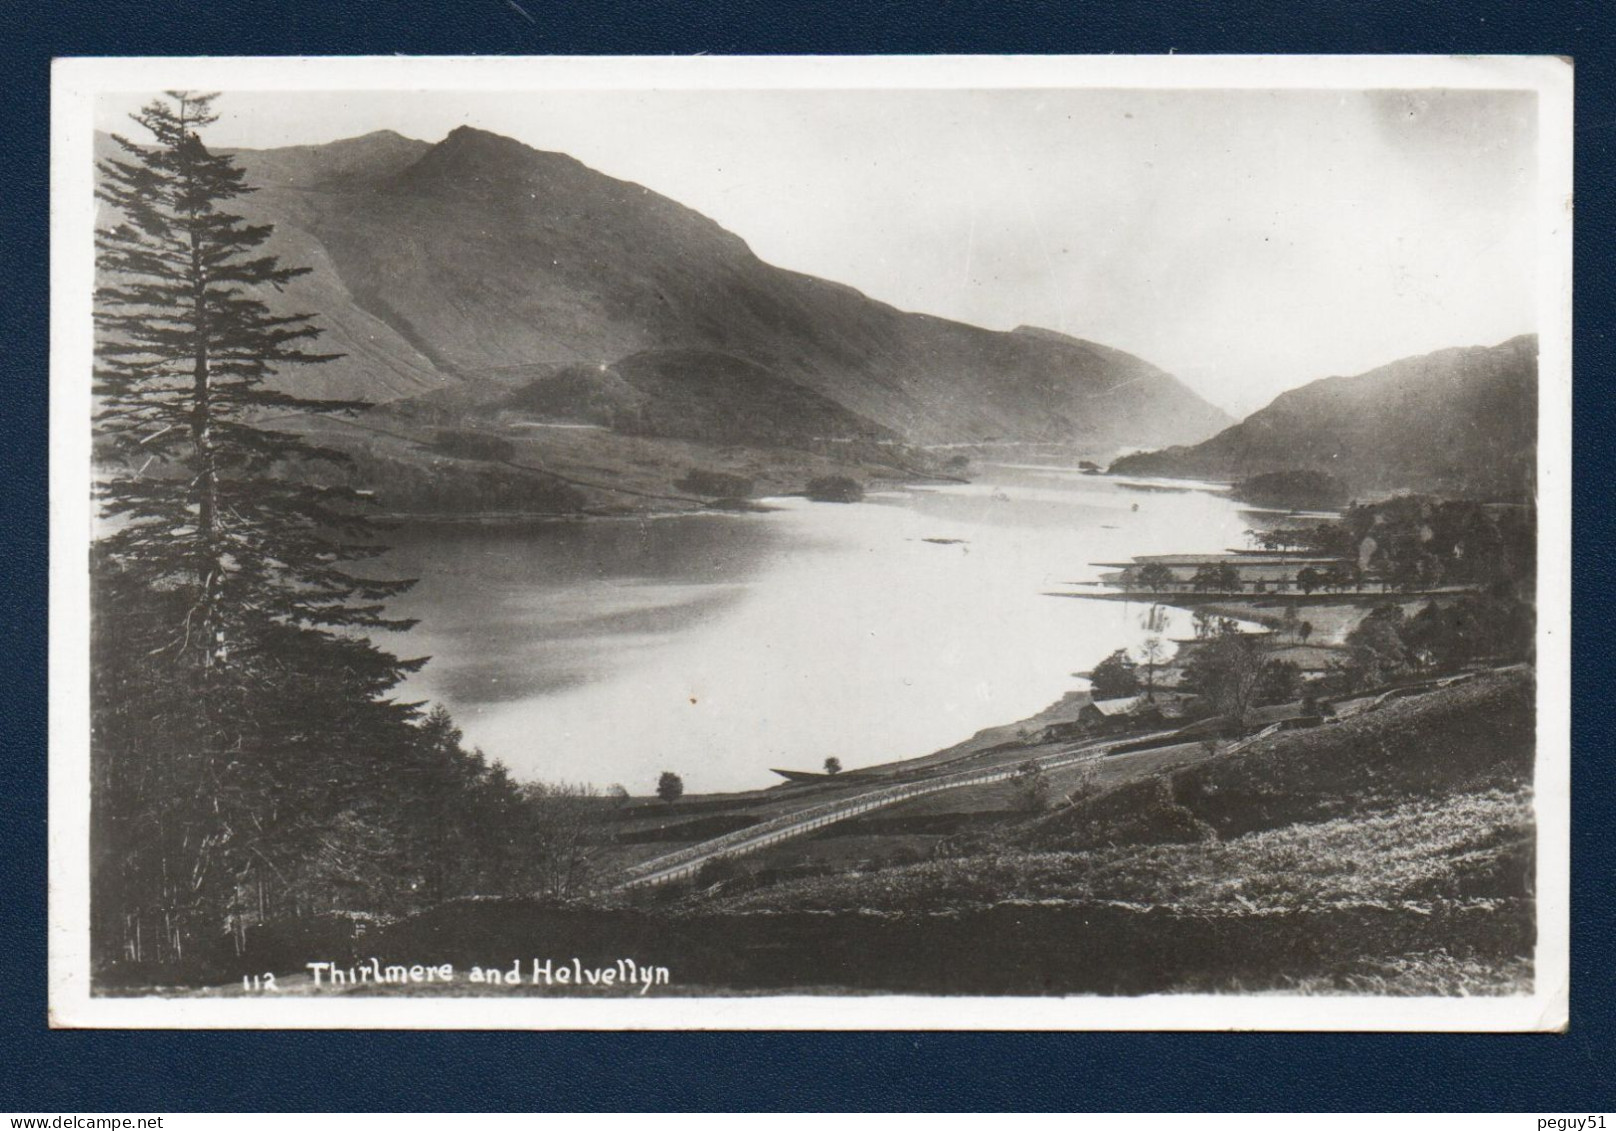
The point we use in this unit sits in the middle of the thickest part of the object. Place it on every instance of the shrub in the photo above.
(1086, 786)
(1115, 676)
(1032, 787)
(1153, 576)
(835, 489)
(670, 786)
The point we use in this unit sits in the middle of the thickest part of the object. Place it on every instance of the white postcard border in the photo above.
(77, 83)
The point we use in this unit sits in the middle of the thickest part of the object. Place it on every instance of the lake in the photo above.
(722, 645)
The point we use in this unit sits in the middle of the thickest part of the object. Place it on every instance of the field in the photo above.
(1391, 852)
(1410, 854)
(1419, 811)
(396, 453)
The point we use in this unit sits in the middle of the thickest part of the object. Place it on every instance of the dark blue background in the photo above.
(48, 1071)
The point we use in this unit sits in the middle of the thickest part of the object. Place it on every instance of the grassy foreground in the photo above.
(1391, 853)
(1421, 811)
(1409, 855)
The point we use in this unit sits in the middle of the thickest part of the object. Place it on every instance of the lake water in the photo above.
(719, 646)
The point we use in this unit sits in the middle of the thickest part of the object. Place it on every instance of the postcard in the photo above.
(924, 543)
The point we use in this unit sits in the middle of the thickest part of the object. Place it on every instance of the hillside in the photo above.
(479, 264)
(691, 394)
(1458, 421)
(1391, 852)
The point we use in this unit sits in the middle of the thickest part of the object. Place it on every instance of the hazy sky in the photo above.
(1246, 241)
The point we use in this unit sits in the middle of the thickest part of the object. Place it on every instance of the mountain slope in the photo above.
(480, 261)
(1458, 421)
(377, 363)
(355, 163)
(688, 394)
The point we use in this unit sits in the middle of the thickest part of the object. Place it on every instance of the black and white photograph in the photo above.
(1042, 543)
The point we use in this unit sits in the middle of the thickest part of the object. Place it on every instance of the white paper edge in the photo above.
(75, 84)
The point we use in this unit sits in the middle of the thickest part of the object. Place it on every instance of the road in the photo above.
(689, 860)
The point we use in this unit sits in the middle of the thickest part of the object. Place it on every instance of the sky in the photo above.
(1245, 241)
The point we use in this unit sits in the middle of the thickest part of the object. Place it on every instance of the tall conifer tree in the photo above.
(239, 709)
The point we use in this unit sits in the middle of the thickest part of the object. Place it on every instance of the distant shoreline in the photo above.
(524, 518)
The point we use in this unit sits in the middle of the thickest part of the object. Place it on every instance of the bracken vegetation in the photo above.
(1420, 811)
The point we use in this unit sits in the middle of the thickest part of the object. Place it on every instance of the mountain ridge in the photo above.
(478, 258)
(1461, 420)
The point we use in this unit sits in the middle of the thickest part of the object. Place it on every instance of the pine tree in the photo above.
(239, 711)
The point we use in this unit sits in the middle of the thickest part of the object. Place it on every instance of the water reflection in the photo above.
(721, 646)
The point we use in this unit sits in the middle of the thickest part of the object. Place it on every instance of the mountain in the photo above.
(1458, 421)
(353, 163)
(479, 264)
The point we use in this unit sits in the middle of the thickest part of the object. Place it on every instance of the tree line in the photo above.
(1486, 552)
(1419, 542)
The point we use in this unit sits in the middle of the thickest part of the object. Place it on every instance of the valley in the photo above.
(806, 642)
